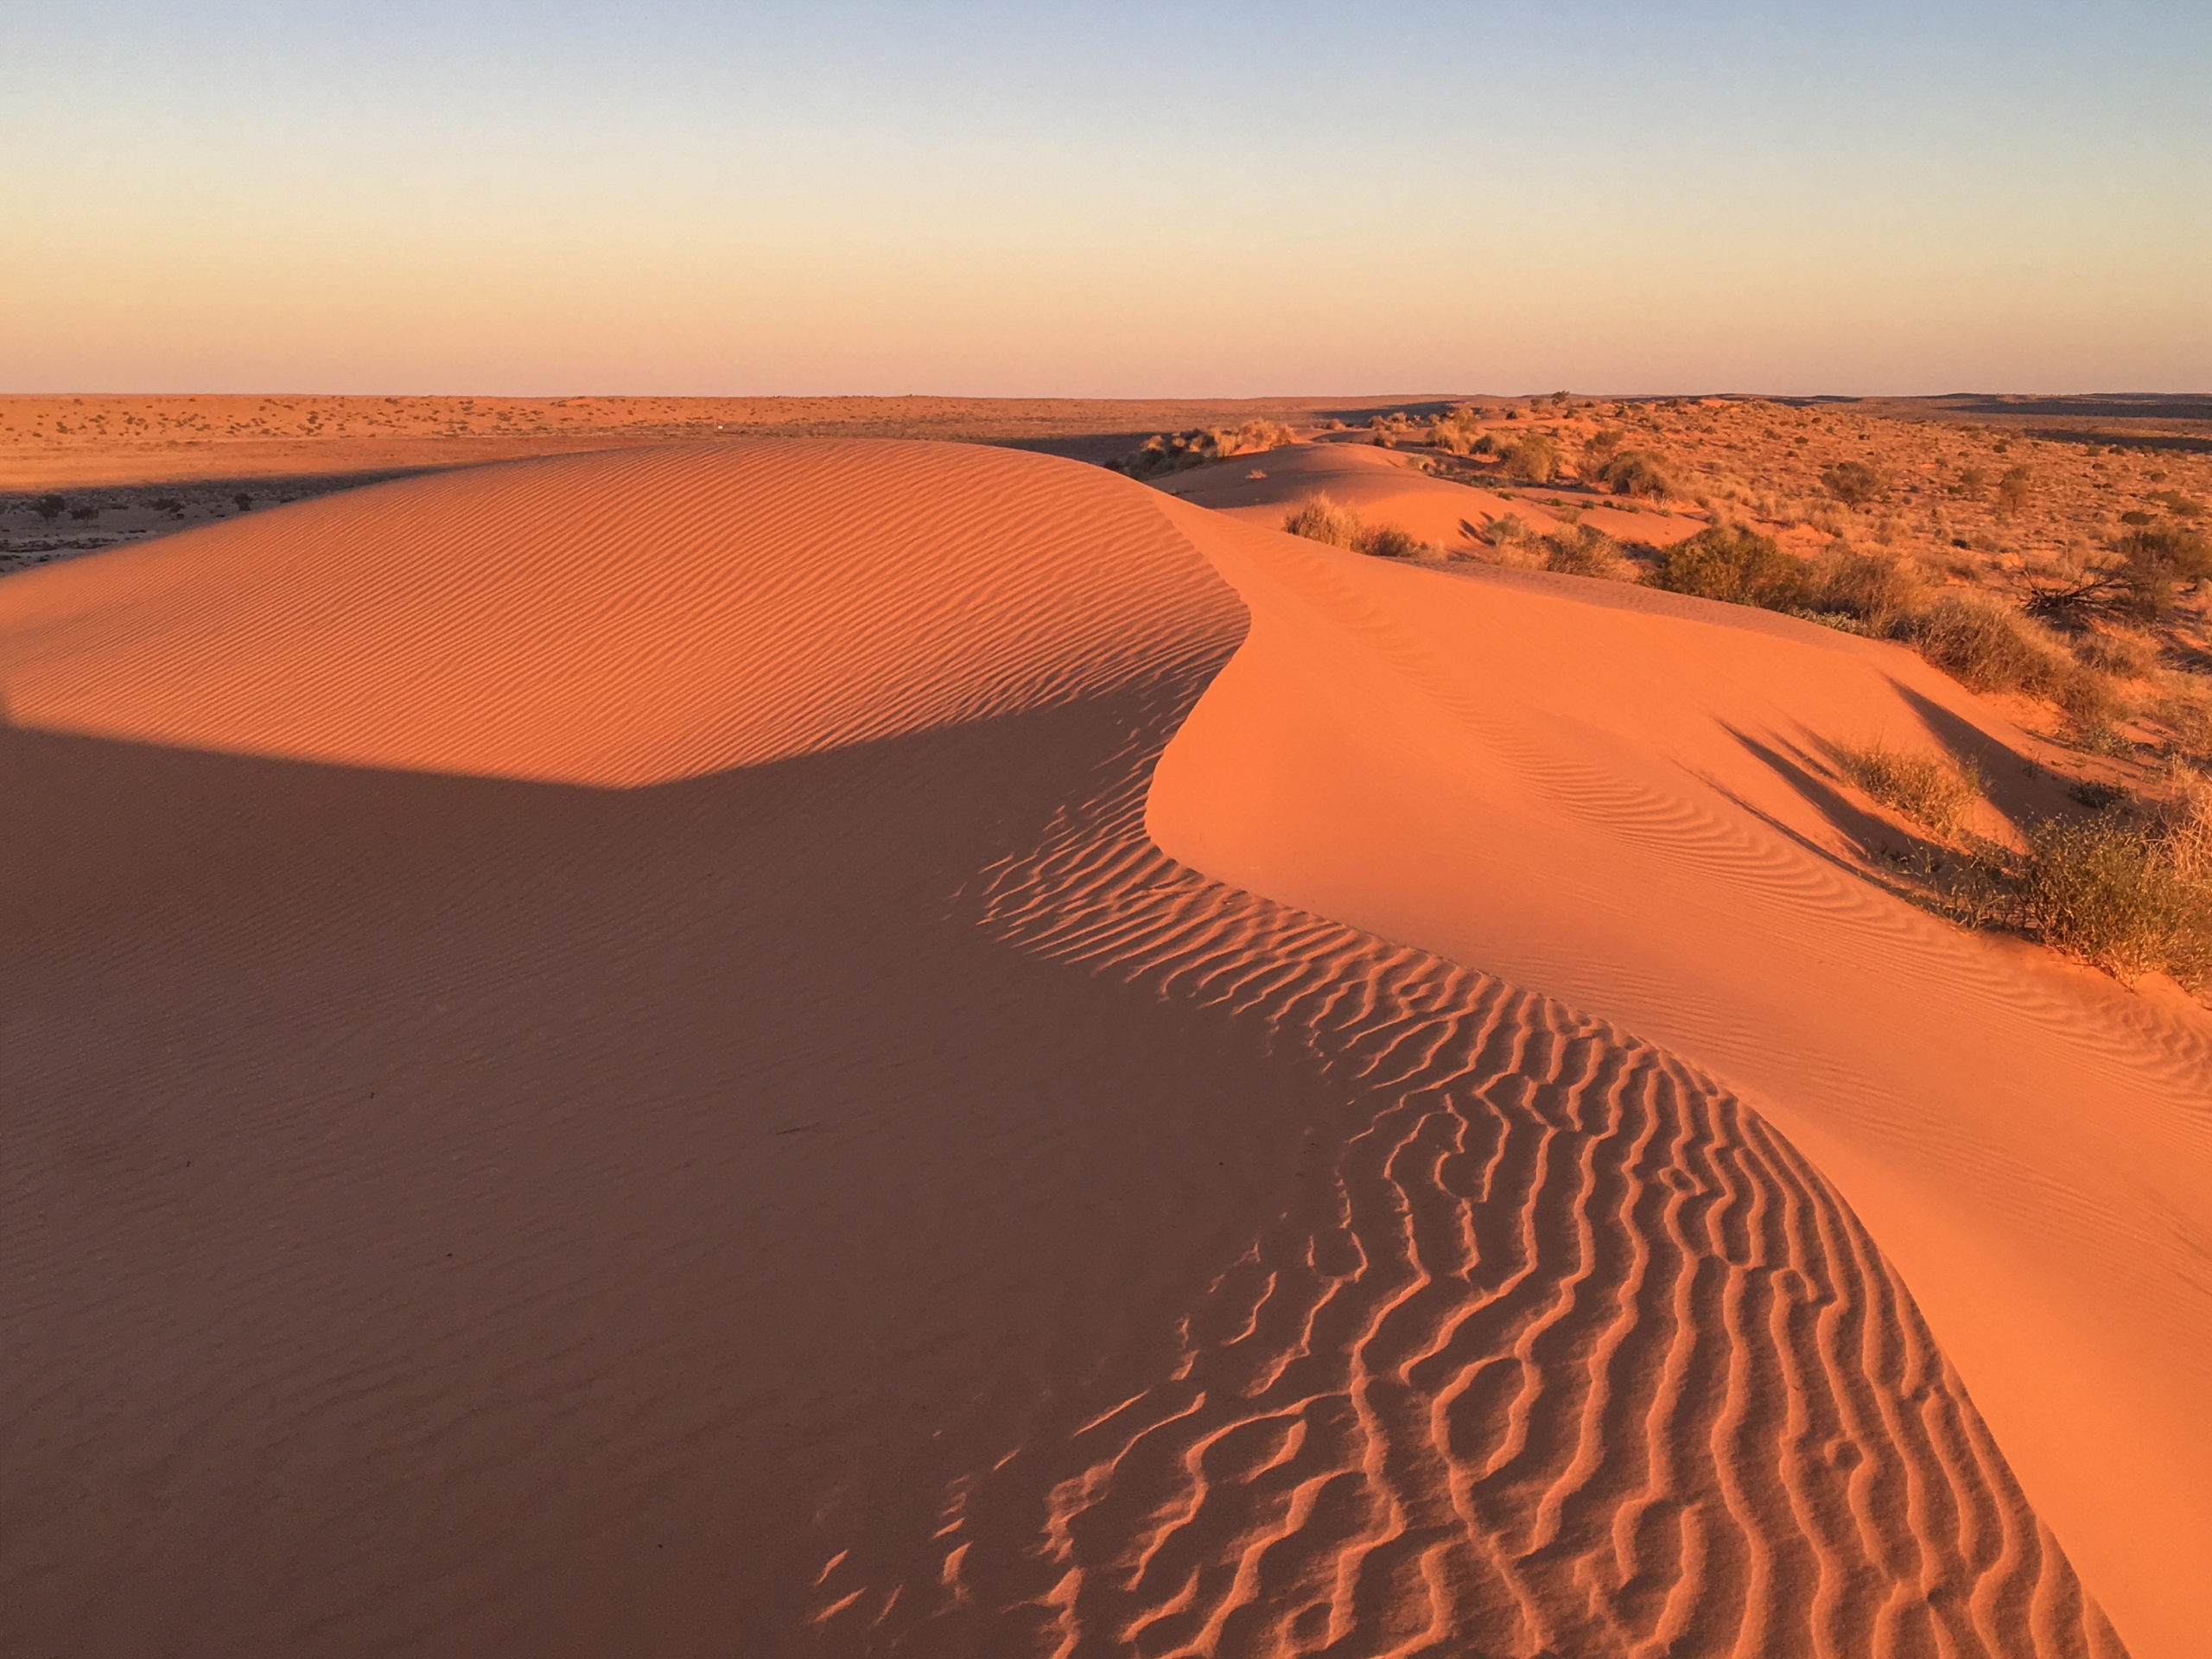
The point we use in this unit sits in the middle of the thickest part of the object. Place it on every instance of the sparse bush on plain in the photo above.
(2144, 575)
(2015, 489)
(1637, 471)
(1930, 791)
(1175, 452)
(1533, 460)
(2157, 560)
(1450, 437)
(2116, 654)
(1737, 565)
(49, 507)
(1854, 483)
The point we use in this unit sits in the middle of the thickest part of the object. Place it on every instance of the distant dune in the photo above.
(849, 1047)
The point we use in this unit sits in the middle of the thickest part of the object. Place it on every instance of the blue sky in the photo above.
(1135, 200)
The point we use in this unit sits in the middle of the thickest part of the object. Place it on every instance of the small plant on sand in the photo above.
(1730, 562)
(48, 507)
(1584, 550)
(2015, 489)
(1930, 792)
(1321, 517)
(2128, 898)
(1389, 542)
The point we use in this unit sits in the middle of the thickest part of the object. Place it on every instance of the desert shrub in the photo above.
(244, 501)
(1854, 483)
(1175, 452)
(1507, 529)
(1320, 518)
(84, 513)
(1879, 589)
(1637, 471)
(2116, 654)
(2156, 560)
(1927, 789)
(2178, 503)
(1972, 480)
(2015, 489)
(2135, 516)
(1533, 460)
(1599, 448)
(48, 507)
(1450, 437)
(1584, 550)
(1736, 564)
(1389, 542)
(1333, 424)
(168, 503)
(2119, 894)
(1986, 649)
(1484, 445)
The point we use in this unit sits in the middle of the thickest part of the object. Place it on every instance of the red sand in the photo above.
(600, 1058)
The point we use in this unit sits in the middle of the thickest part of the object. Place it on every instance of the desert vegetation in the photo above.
(1320, 518)
(1175, 452)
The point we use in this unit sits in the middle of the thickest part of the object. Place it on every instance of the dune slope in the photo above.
(587, 1074)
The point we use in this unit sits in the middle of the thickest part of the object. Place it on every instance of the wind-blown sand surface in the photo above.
(769, 1048)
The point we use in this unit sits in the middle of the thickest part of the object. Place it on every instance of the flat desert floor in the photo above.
(849, 1045)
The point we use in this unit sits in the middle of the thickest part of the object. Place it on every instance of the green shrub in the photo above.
(1730, 563)
(1930, 791)
(1637, 471)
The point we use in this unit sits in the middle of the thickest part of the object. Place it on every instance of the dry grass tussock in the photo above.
(2127, 889)
(1927, 789)
(1321, 517)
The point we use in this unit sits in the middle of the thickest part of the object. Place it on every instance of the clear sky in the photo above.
(1105, 199)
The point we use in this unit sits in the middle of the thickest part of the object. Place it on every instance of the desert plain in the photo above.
(1426, 1024)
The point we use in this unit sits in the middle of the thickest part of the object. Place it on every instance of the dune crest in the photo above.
(836, 1177)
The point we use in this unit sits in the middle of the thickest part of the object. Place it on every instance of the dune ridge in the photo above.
(751, 1133)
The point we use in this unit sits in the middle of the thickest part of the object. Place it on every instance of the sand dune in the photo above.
(771, 1048)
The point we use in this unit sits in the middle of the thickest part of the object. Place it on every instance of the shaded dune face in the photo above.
(846, 1190)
